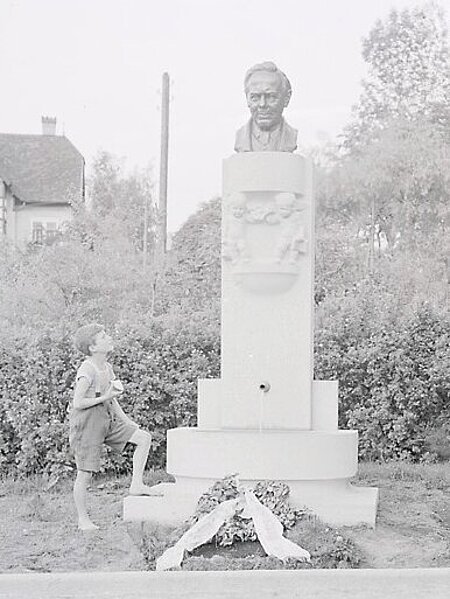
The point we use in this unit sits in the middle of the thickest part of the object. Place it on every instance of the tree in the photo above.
(192, 278)
(383, 215)
(388, 188)
(400, 181)
(121, 206)
(408, 73)
(95, 271)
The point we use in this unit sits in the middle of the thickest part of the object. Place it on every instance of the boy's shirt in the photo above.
(100, 380)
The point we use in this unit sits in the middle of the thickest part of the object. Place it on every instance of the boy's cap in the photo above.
(85, 337)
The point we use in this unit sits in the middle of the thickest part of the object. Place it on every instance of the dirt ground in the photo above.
(413, 522)
(38, 531)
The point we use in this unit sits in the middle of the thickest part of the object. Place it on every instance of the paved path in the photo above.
(287, 584)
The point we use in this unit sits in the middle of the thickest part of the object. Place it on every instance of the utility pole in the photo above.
(163, 173)
(145, 234)
(3, 208)
(163, 167)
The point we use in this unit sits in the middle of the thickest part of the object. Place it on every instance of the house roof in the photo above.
(45, 169)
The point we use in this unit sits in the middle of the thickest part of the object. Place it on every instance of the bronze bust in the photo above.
(268, 92)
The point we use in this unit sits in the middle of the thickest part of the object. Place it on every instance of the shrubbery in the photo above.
(381, 255)
(393, 374)
(393, 380)
(159, 365)
(389, 356)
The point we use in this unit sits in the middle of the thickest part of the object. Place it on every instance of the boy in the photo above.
(96, 418)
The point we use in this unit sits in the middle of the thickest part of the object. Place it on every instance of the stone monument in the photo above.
(268, 92)
(265, 418)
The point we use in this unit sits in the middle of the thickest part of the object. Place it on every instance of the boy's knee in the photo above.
(147, 438)
(142, 437)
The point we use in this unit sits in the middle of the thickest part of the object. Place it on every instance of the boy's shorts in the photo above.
(93, 427)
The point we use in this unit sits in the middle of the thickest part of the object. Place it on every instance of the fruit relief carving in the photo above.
(281, 212)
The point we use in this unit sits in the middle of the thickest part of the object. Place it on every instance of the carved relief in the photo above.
(282, 215)
(234, 247)
(292, 242)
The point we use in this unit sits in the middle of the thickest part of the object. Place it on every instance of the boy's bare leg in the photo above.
(142, 440)
(79, 494)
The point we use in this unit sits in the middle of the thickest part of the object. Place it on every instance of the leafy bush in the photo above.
(192, 276)
(35, 382)
(159, 365)
(393, 373)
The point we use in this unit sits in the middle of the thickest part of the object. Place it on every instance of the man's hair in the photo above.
(85, 337)
(270, 67)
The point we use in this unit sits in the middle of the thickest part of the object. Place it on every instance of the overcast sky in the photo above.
(97, 65)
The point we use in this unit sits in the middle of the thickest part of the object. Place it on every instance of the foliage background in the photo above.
(382, 275)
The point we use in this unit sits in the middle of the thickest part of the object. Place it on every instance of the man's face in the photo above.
(266, 99)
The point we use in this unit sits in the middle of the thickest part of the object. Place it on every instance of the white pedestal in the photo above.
(336, 502)
(267, 290)
(317, 466)
(265, 418)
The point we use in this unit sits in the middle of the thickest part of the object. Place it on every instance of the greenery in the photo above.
(272, 494)
(37, 382)
(235, 545)
(191, 279)
(407, 59)
(381, 289)
(393, 374)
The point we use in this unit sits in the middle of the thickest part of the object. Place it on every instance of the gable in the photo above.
(44, 169)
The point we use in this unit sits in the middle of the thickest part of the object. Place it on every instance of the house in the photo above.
(41, 178)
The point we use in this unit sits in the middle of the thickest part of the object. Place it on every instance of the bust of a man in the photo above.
(268, 92)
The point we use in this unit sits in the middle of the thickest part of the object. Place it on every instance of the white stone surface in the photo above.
(265, 171)
(288, 433)
(325, 405)
(267, 335)
(270, 455)
(175, 507)
(336, 502)
(209, 400)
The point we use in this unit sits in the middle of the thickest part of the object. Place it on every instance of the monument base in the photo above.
(337, 503)
(317, 466)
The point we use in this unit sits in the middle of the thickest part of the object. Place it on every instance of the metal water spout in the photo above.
(264, 387)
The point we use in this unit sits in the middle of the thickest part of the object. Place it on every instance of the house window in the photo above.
(51, 232)
(44, 233)
(37, 236)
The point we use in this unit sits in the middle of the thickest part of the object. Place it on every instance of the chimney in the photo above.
(48, 125)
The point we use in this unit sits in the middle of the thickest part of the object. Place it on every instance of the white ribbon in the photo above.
(267, 526)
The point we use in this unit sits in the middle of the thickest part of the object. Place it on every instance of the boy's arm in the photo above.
(118, 410)
(81, 402)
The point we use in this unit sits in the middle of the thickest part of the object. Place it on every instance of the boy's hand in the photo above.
(111, 393)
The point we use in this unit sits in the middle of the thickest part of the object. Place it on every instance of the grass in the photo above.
(431, 475)
(38, 526)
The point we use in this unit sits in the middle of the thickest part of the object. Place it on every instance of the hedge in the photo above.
(159, 366)
(393, 380)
